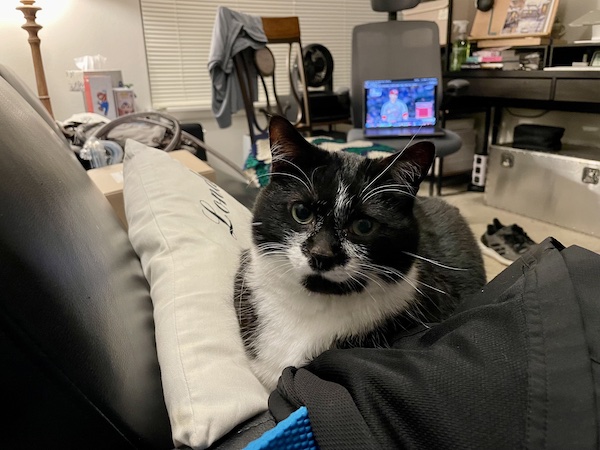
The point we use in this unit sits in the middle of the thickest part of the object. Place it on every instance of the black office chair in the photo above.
(393, 50)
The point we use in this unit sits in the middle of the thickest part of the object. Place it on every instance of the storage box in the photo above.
(561, 188)
(109, 179)
(432, 11)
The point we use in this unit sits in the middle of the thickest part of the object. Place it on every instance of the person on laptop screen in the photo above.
(398, 108)
(394, 110)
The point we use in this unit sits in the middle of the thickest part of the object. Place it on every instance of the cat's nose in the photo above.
(322, 262)
(324, 256)
(323, 251)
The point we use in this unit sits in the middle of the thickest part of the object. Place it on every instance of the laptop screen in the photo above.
(398, 104)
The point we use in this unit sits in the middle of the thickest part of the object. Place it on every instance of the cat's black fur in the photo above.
(407, 226)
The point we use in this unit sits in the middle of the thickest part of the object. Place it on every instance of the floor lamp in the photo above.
(29, 11)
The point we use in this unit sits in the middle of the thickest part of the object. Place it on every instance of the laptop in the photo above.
(401, 108)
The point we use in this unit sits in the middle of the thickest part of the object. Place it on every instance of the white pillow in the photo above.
(189, 234)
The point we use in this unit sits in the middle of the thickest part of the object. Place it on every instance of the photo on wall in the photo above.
(99, 96)
(515, 19)
(527, 16)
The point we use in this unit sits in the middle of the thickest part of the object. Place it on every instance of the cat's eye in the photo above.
(363, 227)
(302, 213)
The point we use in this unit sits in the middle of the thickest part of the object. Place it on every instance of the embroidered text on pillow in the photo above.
(220, 203)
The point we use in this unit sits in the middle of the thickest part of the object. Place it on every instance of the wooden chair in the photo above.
(251, 65)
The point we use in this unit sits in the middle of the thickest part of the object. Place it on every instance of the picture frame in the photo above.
(512, 19)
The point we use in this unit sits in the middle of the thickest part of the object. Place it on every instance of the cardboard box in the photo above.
(109, 179)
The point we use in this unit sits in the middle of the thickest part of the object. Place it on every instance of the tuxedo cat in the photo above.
(344, 254)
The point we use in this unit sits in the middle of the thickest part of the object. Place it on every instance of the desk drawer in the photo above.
(529, 88)
(578, 91)
(560, 189)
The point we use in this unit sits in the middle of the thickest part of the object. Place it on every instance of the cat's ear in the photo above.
(286, 142)
(413, 163)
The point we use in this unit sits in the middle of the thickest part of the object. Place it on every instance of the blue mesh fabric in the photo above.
(295, 432)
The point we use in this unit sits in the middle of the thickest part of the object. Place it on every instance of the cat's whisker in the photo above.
(380, 191)
(385, 271)
(390, 164)
(413, 285)
(380, 174)
(425, 306)
(290, 268)
(368, 277)
(389, 270)
(432, 287)
(277, 159)
(271, 249)
(431, 261)
(312, 174)
(398, 185)
(423, 310)
(278, 244)
(418, 320)
(256, 224)
(287, 175)
(273, 266)
(360, 283)
(275, 257)
(268, 248)
(402, 188)
(412, 138)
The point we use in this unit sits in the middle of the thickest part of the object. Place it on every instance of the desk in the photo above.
(492, 90)
(569, 90)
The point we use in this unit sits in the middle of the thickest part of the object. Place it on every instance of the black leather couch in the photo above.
(77, 351)
(78, 362)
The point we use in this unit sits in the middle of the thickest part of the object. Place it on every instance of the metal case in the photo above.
(561, 188)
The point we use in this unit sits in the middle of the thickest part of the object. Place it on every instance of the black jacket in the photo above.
(515, 367)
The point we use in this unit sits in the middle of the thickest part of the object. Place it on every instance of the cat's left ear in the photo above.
(286, 142)
(413, 162)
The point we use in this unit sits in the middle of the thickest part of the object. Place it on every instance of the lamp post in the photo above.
(29, 11)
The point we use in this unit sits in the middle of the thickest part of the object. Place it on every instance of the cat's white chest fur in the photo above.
(297, 325)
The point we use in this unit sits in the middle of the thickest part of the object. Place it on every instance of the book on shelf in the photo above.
(482, 65)
(514, 42)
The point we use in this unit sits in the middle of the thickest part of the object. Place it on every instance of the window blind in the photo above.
(178, 37)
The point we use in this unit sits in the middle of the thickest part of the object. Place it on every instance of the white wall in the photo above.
(73, 28)
(112, 28)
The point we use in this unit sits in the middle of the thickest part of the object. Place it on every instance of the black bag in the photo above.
(515, 367)
(538, 137)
